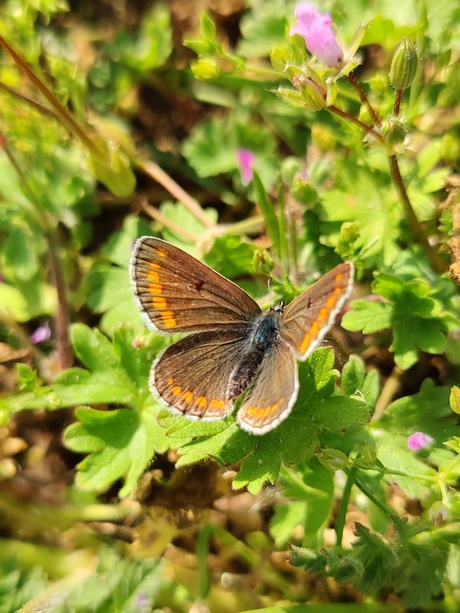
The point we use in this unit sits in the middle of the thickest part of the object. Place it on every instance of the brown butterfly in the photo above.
(234, 348)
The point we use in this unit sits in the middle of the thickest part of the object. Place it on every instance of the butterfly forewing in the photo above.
(273, 394)
(192, 375)
(308, 318)
(178, 293)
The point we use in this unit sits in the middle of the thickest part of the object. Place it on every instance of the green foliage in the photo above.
(16, 587)
(416, 317)
(412, 562)
(354, 162)
(120, 443)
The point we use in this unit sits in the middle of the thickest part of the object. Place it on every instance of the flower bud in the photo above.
(349, 232)
(263, 263)
(314, 97)
(403, 65)
(205, 69)
(333, 459)
(323, 138)
(394, 131)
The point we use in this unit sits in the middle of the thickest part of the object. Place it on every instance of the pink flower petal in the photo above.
(245, 159)
(41, 334)
(419, 440)
(315, 28)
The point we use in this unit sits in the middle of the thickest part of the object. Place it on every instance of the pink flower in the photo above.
(319, 37)
(41, 334)
(419, 440)
(245, 159)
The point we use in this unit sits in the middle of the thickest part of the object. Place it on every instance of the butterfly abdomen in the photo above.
(263, 338)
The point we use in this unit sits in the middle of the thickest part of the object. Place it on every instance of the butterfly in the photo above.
(233, 350)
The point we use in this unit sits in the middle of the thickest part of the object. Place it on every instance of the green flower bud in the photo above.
(334, 459)
(403, 65)
(366, 458)
(314, 97)
(323, 137)
(205, 70)
(394, 131)
(290, 96)
(263, 263)
(279, 58)
(349, 232)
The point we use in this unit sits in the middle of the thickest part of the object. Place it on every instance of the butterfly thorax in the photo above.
(264, 337)
(265, 331)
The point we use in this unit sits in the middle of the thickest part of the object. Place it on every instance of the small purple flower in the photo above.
(419, 440)
(245, 159)
(41, 334)
(319, 37)
(142, 601)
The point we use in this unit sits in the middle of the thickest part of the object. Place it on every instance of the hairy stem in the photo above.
(436, 262)
(358, 122)
(362, 96)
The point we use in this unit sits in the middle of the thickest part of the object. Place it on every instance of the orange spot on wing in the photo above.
(263, 412)
(160, 304)
(153, 275)
(161, 253)
(168, 319)
(187, 397)
(156, 289)
(201, 402)
(177, 391)
(216, 404)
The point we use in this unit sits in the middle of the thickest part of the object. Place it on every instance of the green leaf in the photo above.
(368, 317)
(355, 381)
(152, 44)
(313, 484)
(262, 27)
(257, 470)
(415, 315)
(181, 217)
(292, 442)
(286, 519)
(212, 149)
(21, 252)
(27, 300)
(110, 293)
(112, 167)
(230, 256)
(366, 200)
(117, 373)
(120, 444)
(268, 212)
(427, 412)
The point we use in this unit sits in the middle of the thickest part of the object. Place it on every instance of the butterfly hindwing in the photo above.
(192, 375)
(273, 393)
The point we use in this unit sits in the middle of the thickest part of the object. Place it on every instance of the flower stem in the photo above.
(397, 104)
(62, 318)
(362, 96)
(356, 121)
(435, 261)
(158, 174)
